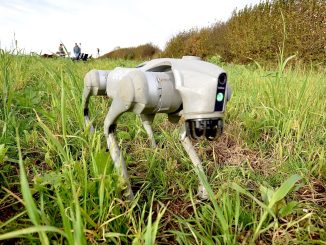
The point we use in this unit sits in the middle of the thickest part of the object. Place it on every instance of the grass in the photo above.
(58, 185)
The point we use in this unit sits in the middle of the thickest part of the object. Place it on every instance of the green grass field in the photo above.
(58, 185)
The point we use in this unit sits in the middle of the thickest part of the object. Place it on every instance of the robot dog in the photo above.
(189, 87)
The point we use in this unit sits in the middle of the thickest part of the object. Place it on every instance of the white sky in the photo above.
(40, 25)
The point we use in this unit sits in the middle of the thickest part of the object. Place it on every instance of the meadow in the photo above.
(266, 173)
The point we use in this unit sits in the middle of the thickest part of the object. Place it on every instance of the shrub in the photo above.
(142, 52)
(258, 33)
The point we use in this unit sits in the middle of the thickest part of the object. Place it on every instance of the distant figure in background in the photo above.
(98, 52)
(77, 51)
(61, 51)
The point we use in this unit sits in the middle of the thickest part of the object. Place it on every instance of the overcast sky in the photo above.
(40, 25)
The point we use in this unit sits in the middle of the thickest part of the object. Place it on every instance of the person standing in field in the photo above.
(98, 52)
(77, 51)
(61, 51)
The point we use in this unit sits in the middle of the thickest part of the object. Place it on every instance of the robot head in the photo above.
(204, 90)
(208, 119)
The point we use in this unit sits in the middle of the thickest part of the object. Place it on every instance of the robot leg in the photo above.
(117, 108)
(147, 121)
(186, 143)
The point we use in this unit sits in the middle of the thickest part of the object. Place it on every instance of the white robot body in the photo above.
(188, 87)
(148, 92)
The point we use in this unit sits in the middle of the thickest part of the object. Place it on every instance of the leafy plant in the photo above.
(271, 200)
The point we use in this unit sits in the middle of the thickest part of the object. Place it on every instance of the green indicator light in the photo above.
(219, 97)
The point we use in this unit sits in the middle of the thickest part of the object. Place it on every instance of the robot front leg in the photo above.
(119, 162)
(116, 109)
(186, 143)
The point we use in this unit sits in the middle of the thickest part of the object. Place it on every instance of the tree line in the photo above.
(257, 32)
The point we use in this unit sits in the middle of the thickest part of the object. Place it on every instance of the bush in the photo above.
(258, 33)
(142, 52)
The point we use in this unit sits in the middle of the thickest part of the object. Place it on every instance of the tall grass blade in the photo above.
(152, 228)
(31, 230)
(52, 139)
(65, 220)
(27, 195)
(219, 213)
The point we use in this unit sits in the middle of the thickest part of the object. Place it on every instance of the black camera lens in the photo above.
(198, 132)
(210, 128)
(211, 133)
(222, 79)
